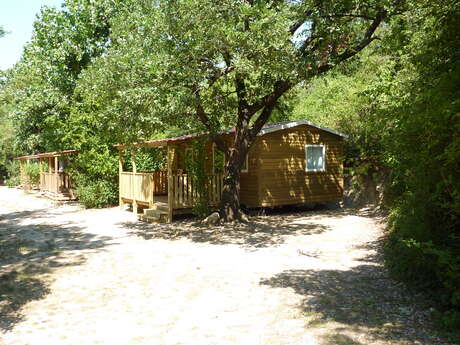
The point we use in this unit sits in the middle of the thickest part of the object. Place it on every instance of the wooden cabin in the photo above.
(290, 163)
(54, 181)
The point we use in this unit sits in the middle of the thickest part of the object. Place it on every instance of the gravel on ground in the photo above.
(75, 276)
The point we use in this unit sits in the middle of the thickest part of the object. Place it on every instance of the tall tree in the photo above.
(233, 62)
(63, 43)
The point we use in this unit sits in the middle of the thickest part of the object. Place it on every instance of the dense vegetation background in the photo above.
(86, 81)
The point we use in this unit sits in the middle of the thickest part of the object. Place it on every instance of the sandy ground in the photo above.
(101, 277)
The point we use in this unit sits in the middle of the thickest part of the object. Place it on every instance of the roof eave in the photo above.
(300, 123)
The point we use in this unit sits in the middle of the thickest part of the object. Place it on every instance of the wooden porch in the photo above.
(163, 194)
(57, 185)
(54, 182)
(166, 194)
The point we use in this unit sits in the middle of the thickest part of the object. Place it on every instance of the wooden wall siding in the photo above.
(249, 181)
(282, 176)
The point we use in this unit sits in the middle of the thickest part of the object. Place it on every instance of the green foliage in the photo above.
(6, 141)
(13, 181)
(32, 173)
(96, 193)
(12, 172)
(345, 100)
(399, 103)
(147, 159)
(44, 108)
(41, 85)
(197, 164)
(424, 153)
(95, 174)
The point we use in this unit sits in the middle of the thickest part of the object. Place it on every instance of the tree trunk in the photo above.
(230, 200)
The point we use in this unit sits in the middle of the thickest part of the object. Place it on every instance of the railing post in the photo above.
(56, 174)
(170, 183)
(133, 162)
(120, 178)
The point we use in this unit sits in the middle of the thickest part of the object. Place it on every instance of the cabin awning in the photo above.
(269, 128)
(48, 154)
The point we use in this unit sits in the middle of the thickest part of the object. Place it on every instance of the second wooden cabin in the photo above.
(290, 163)
(53, 181)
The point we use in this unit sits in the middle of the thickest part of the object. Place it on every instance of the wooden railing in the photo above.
(137, 186)
(185, 194)
(55, 183)
(143, 186)
(160, 182)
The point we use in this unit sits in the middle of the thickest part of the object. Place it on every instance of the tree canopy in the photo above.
(221, 65)
(386, 72)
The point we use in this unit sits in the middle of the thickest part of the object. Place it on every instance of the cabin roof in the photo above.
(279, 126)
(48, 154)
(269, 128)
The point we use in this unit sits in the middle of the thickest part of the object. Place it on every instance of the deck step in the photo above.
(144, 218)
(154, 216)
(161, 206)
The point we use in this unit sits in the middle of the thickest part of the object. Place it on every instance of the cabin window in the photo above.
(315, 157)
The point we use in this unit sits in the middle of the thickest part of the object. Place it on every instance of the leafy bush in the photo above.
(196, 163)
(423, 246)
(95, 175)
(96, 193)
(147, 159)
(32, 172)
(12, 170)
(13, 181)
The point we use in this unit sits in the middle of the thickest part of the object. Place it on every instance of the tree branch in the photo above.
(206, 121)
(240, 88)
(365, 41)
(219, 73)
(268, 103)
(281, 86)
(352, 15)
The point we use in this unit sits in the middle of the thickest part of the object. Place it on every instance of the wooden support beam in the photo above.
(120, 171)
(41, 173)
(133, 162)
(56, 171)
(170, 158)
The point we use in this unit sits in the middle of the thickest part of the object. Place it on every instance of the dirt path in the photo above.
(73, 276)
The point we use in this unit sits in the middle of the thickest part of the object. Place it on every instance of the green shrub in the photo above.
(95, 175)
(96, 193)
(13, 181)
(196, 162)
(12, 168)
(32, 172)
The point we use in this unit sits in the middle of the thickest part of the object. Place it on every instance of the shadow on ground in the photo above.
(363, 299)
(260, 232)
(269, 227)
(30, 249)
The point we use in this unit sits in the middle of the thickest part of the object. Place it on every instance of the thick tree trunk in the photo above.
(230, 201)
(244, 138)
